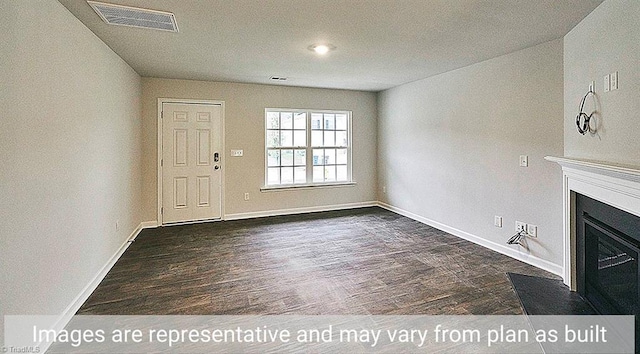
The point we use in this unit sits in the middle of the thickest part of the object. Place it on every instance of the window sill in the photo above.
(306, 186)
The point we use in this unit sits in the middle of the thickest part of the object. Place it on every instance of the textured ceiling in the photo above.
(379, 43)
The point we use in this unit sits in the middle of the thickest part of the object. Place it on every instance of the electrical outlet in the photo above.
(237, 153)
(497, 221)
(520, 226)
(246, 196)
(524, 160)
(532, 230)
(384, 189)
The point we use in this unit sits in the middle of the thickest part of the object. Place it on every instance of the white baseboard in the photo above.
(292, 211)
(513, 253)
(80, 299)
(149, 224)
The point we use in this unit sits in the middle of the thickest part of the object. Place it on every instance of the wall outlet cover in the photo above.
(524, 160)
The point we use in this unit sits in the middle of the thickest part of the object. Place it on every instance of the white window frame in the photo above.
(309, 151)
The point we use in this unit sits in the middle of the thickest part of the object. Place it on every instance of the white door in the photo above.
(191, 162)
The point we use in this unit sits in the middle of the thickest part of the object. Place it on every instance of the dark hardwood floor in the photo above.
(353, 262)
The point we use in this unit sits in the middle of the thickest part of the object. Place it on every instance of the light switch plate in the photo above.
(497, 221)
(236, 153)
(614, 80)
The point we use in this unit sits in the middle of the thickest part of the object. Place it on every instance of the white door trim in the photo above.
(161, 101)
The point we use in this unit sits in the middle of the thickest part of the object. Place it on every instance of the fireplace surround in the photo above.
(601, 238)
(612, 184)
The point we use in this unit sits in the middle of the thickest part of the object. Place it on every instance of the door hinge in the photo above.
(161, 162)
(161, 114)
(162, 211)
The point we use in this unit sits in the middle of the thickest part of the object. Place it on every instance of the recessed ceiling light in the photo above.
(321, 49)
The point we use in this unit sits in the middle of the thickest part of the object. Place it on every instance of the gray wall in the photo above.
(449, 145)
(607, 40)
(71, 155)
(244, 129)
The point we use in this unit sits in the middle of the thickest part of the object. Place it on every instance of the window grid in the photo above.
(286, 147)
(329, 141)
(296, 155)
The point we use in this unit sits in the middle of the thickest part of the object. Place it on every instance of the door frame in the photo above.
(162, 101)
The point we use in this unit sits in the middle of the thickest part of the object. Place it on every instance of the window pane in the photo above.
(286, 120)
(273, 175)
(300, 157)
(341, 122)
(273, 158)
(287, 158)
(329, 122)
(341, 138)
(330, 173)
(273, 120)
(329, 138)
(299, 138)
(318, 173)
(329, 156)
(341, 172)
(316, 121)
(316, 138)
(300, 121)
(273, 138)
(341, 158)
(291, 136)
(318, 157)
(300, 175)
(287, 175)
(286, 138)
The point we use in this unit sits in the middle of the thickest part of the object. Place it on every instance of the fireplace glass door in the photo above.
(611, 263)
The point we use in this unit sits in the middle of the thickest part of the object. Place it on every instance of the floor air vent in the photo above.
(135, 17)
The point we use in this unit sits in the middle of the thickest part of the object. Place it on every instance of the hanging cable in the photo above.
(515, 239)
(583, 119)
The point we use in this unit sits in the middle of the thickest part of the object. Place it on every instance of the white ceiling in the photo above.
(380, 43)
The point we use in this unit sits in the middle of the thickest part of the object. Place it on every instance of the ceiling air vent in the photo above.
(135, 17)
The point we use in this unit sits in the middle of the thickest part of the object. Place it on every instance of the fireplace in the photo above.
(611, 184)
(601, 234)
(607, 251)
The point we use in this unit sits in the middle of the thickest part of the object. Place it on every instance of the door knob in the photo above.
(216, 167)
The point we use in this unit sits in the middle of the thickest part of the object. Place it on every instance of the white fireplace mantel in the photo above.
(614, 184)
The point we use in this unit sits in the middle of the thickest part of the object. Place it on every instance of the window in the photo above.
(307, 147)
